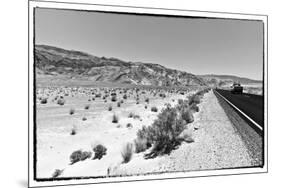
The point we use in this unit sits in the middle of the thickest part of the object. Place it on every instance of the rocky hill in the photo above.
(226, 80)
(56, 62)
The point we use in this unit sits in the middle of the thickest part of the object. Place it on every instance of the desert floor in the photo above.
(216, 144)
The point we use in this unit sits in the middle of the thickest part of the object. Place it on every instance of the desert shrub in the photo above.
(93, 98)
(187, 115)
(100, 151)
(98, 95)
(131, 114)
(114, 98)
(61, 101)
(147, 100)
(129, 125)
(194, 107)
(71, 111)
(89, 100)
(84, 119)
(110, 108)
(127, 152)
(154, 109)
(122, 101)
(105, 101)
(57, 173)
(73, 131)
(75, 156)
(115, 118)
(125, 96)
(145, 106)
(44, 101)
(164, 131)
(85, 155)
(87, 107)
(140, 145)
(118, 104)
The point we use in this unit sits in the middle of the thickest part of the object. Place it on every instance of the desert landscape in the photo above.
(104, 117)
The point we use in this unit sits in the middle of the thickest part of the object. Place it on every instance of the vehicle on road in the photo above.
(236, 88)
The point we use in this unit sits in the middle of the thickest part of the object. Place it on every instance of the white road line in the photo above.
(240, 111)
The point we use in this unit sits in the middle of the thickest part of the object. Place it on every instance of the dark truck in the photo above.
(236, 88)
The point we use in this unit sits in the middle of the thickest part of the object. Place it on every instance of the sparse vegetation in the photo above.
(129, 125)
(84, 119)
(114, 98)
(100, 151)
(127, 152)
(110, 108)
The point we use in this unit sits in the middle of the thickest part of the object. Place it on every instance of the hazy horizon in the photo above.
(198, 46)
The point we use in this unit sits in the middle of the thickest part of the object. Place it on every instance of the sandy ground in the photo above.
(216, 146)
(54, 124)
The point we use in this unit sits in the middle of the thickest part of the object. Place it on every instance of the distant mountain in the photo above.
(54, 62)
(225, 80)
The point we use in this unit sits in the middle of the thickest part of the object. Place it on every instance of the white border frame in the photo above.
(144, 10)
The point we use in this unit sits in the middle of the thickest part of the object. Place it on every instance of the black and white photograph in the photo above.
(126, 93)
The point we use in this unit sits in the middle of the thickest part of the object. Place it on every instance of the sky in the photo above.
(198, 46)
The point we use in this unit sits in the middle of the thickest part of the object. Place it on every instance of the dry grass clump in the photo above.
(84, 119)
(147, 100)
(115, 118)
(118, 104)
(127, 152)
(100, 151)
(71, 111)
(114, 98)
(154, 109)
(57, 173)
(87, 107)
(125, 96)
(187, 115)
(131, 114)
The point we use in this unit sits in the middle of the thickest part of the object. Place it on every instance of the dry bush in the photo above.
(71, 111)
(127, 152)
(87, 107)
(145, 106)
(114, 98)
(73, 131)
(147, 100)
(61, 101)
(57, 173)
(110, 108)
(194, 99)
(44, 101)
(118, 104)
(115, 118)
(164, 131)
(75, 156)
(154, 109)
(84, 119)
(131, 114)
(85, 155)
(125, 96)
(129, 125)
(100, 151)
(140, 145)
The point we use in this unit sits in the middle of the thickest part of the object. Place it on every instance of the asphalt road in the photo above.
(251, 105)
